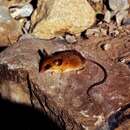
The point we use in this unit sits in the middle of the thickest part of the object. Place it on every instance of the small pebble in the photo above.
(107, 47)
(70, 38)
(104, 32)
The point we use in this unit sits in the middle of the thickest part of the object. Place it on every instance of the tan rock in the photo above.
(9, 3)
(10, 29)
(73, 16)
(97, 5)
(24, 11)
(38, 13)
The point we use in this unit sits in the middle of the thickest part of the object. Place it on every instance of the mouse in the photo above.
(63, 61)
(69, 60)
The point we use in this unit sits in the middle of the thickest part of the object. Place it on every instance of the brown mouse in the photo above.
(63, 61)
(69, 60)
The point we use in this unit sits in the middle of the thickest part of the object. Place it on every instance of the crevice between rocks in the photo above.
(119, 117)
(2, 48)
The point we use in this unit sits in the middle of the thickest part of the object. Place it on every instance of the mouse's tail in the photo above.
(101, 81)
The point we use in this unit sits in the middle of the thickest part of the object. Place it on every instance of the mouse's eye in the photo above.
(58, 62)
(48, 66)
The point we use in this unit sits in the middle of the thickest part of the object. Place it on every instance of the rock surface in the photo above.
(8, 32)
(97, 5)
(9, 3)
(118, 9)
(72, 16)
(38, 14)
(118, 5)
(21, 11)
(124, 126)
(63, 96)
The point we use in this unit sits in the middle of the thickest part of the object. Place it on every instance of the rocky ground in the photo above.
(98, 30)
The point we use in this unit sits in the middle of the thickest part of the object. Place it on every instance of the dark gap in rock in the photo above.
(102, 46)
(34, 3)
(128, 63)
(117, 118)
(106, 2)
(3, 48)
(99, 17)
(113, 18)
(128, 40)
(83, 35)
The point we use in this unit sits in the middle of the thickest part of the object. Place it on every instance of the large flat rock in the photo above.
(63, 96)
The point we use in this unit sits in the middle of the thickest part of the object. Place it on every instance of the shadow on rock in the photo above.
(17, 116)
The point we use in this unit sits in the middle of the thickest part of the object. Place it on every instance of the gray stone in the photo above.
(118, 5)
(21, 12)
(70, 38)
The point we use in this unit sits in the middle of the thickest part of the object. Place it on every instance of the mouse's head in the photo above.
(51, 63)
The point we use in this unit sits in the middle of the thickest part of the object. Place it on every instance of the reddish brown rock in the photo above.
(124, 126)
(63, 96)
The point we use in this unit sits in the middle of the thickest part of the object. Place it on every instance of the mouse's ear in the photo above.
(42, 53)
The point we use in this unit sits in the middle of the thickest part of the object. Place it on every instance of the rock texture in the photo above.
(21, 11)
(8, 32)
(118, 5)
(119, 9)
(63, 96)
(97, 5)
(125, 126)
(38, 14)
(9, 3)
(73, 16)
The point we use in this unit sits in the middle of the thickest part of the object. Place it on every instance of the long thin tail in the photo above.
(101, 81)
